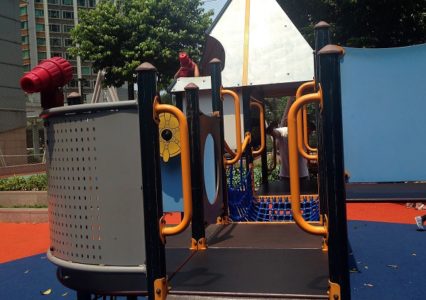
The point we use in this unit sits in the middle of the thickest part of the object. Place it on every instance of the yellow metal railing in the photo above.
(255, 103)
(185, 168)
(302, 130)
(240, 146)
(294, 166)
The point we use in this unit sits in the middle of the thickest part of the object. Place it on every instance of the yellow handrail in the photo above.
(300, 135)
(185, 168)
(305, 130)
(237, 127)
(294, 166)
(262, 128)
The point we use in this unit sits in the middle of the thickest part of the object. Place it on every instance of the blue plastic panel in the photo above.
(171, 180)
(384, 113)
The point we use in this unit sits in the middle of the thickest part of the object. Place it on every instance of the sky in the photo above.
(215, 5)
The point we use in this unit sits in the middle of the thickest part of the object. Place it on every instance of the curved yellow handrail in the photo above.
(300, 135)
(305, 130)
(261, 126)
(236, 158)
(294, 166)
(237, 155)
(185, 167)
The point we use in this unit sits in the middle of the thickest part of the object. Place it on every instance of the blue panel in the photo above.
(171, 179)
(384, 107)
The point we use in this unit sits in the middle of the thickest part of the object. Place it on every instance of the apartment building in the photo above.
(12, 99)
(45, 33)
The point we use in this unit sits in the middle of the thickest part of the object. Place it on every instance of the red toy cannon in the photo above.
(187, 67)
(48, 78)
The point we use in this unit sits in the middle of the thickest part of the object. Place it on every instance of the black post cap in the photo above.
(191, 86)
(146, 66)
(331, 49)
(321, 24)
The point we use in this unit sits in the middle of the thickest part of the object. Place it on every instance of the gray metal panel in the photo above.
(95, 197)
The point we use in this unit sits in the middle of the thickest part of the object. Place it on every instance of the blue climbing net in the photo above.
(244, 206)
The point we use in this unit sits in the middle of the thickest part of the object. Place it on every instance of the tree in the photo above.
(362, 23)
(119, 35)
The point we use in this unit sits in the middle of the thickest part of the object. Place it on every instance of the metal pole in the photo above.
(247, 124)
(151, 176)
(322, 38)
(193, 118)
(264, 156)
(217, 106)
(332, 129)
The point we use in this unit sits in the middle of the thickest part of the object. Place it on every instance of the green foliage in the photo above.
(119, 35)
(257, 169)
(27, 183)
(362, 23)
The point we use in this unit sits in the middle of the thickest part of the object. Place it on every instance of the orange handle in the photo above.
(300, 128)
(261, 126)
(294, 166)
(185, 168)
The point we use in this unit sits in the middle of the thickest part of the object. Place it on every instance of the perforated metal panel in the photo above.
(95, 196)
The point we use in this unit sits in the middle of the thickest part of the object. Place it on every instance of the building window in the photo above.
(25, 54)
(26, 68)
(55, 42)
(41, 42)
(53, 1)
(24, 25)
(85, 83)
(57, 54)
(38, 1)
(91, 3)
(23, 10)
(39, 13)
(67, 2)
(24, 39)
(55, 27)
(85, 71)
(39, 27)
(67, 42)
(67, 27)
(41, 55)
(67, 14)
(54, 14)
(81, 3)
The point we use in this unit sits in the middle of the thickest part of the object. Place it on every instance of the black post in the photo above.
(331, 116)
(217, 106)
(151, 176)
(247, 124)
(179, 100)
(264, 156)
(322, 38)
(197, 182)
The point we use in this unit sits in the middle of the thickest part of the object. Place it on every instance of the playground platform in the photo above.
(387, 250)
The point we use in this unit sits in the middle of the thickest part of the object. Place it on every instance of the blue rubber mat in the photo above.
(390, 259)
(27, 278)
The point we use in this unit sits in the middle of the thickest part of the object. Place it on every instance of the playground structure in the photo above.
(108, 234)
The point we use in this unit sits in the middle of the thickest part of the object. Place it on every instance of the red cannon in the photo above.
(48, 78)
(187, 67)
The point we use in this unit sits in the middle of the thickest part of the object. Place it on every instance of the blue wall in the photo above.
(384, 113)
